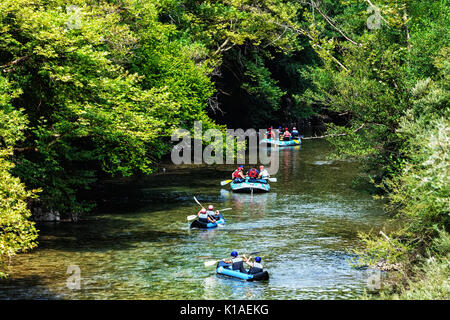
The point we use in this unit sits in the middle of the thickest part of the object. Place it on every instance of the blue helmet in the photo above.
(258, 259)
(234, 254)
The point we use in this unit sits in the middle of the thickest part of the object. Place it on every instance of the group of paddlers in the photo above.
(283, 135)
(252, 175)
(209, 215)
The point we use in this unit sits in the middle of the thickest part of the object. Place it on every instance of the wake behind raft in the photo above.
(209, 225)
(225, 269)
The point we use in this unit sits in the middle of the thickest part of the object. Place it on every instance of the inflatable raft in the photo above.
(260, 185)
(225, 269)
(282, 143)
(209, 225)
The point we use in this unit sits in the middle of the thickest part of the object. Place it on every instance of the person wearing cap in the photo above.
(263, 173)
(286, 134)
(204, 217)
(236, 261)
(238, 174)
(255, 267)
(210, 212)
(294, 133)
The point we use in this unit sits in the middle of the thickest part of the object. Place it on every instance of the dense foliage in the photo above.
(94, 89)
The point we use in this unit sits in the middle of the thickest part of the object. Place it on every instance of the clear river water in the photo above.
(141, 246)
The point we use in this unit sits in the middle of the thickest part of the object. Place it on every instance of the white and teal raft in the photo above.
(282, 143)
(256, 185)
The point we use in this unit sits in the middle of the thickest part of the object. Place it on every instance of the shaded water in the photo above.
(142, 247)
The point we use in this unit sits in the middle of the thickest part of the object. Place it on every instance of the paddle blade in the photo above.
(190, 218)
(226, 209)
(198, 202)
(222, 183)
(210, 263)
(273, 179)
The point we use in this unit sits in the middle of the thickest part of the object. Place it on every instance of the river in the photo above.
(141, 247)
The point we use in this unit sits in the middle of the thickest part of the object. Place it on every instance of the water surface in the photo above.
(141, 247)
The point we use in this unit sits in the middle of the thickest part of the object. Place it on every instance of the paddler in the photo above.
(210, 212)
(263, 173)
(237, 262)
(294, 133)
(238, 174)
(255, 267)
(253, 174)
(287, 135)
(204, 217)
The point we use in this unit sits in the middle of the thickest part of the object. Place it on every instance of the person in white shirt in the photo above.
(255, 267)
(263, 173)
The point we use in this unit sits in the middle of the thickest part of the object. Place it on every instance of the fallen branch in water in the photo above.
(333, 135)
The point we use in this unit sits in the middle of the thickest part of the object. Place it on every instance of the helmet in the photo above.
(210, 207)
(240, 168)
(261, 167)
(234, 253)
(269, 129)
(279, 127)
(258, 259)
(203, 210)
(294, 128)
(286, 129)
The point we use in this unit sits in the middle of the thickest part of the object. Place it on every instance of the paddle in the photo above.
(198, 202)
(213, 262)
(222, 183)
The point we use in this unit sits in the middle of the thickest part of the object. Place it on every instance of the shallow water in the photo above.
(141, 246)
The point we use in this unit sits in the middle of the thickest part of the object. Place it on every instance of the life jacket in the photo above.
(203, 217)
(236, 174)
(210, 213)
(294, 133)
(238, 264)
(253, 173)
(256, 268)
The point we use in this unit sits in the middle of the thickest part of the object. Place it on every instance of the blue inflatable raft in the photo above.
(209, 225)
(225, 269)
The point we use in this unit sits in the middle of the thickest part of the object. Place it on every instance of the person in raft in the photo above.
(294, 133)
(238, 174)
(263, 174)
(269, 133)
(204, 217)
(210, 212)
(287, 135)
(280, 132)
(237, 262)
(252, 174)
(255, 267)
(216, 216)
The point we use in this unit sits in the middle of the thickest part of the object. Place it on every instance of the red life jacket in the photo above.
(252, 173)
(236, 174)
